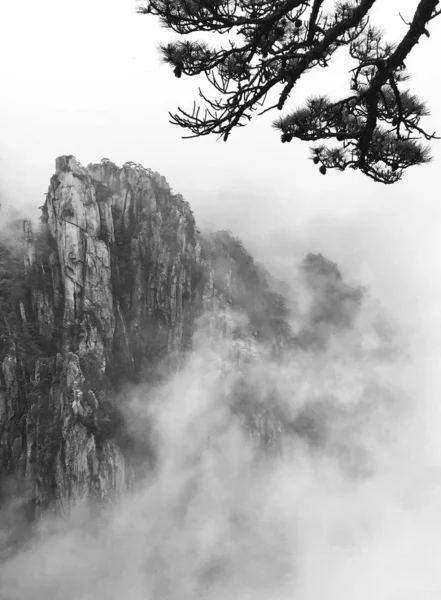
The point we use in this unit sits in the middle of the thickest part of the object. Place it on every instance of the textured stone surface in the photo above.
(111, 285)
(112, 290)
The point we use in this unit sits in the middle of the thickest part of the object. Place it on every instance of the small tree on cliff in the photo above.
(374, 128)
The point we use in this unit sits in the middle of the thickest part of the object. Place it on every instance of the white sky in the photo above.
(84, 78)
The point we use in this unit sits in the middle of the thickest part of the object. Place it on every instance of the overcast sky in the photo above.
(84, 78)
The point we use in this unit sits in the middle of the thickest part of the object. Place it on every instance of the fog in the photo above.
(347, 508)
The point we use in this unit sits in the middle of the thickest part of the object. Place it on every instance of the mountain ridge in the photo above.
(110, 291)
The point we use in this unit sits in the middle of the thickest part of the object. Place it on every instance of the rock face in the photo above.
(110, 287)
(108, 291)
(124, 265)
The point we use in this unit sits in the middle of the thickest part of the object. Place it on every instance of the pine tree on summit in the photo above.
(375, 128)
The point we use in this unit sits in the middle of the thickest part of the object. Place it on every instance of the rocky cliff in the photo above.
(107, 291)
